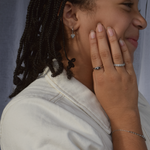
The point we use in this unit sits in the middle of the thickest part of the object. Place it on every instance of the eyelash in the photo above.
(130, 5)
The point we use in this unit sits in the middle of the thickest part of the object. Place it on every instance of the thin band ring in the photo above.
(119, 65)
(98, 68)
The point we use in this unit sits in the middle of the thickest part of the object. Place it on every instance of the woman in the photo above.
(90, 42)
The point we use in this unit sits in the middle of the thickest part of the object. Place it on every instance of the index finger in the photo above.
(95, 57)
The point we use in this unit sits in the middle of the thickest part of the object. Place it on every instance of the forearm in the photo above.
(124, 140)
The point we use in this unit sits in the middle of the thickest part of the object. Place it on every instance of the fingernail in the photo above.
(110, 31)
(92, 34)
(100, 27)
(121, 42)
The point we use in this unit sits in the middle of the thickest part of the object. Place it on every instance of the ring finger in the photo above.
(115, 48)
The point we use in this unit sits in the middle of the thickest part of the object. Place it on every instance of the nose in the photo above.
(140, 22)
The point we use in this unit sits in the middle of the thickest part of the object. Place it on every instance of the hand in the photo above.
(115, 87)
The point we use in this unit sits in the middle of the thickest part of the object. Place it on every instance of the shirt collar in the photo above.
(81, 96)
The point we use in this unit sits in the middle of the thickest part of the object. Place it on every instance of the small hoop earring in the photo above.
(73, 35)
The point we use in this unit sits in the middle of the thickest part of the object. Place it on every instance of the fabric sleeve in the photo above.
(35, 124)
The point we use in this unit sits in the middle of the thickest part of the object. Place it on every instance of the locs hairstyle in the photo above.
(40, 44)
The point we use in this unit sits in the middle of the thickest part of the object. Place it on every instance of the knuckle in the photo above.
(113, 39)
(104, 54)
(93, 42)
(124, 50)
(129, 79)
(126, 79)
(94, 57)
(117, 56)
(133, 80)
(128, 61)
(100, 36)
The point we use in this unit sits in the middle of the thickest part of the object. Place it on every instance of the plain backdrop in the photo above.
(12, 20)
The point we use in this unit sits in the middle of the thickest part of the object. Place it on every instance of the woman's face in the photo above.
(123, 17)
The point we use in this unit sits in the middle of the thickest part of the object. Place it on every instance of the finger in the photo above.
(95, 57)
(127, 57)
(104, 49)
(115, 48)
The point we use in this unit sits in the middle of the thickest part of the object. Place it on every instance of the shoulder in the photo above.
(40, 88)
(40, 92)
(27, 109)
(34, 99)
(32, 120)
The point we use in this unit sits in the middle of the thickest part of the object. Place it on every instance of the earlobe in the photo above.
(70, 16)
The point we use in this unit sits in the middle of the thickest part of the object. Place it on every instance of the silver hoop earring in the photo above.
(73, 35)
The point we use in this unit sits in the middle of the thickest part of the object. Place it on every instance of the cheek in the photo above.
(83, 36)
(118, 21)
(83, 42)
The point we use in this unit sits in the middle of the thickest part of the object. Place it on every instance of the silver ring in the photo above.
(98, 68)
(119, 65)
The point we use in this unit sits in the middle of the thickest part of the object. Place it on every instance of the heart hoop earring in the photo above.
(73, 35)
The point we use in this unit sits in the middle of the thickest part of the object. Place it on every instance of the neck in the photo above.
(84, 74)
(83, 68)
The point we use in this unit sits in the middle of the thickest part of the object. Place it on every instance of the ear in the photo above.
(70, 17)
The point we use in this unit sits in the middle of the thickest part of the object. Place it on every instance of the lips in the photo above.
(133, 41)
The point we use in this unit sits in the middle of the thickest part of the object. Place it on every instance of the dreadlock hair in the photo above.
(40, 44)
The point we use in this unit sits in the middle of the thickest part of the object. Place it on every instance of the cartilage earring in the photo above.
(73, 35)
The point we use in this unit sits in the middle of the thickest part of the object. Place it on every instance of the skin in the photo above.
(115, 87)
(124, 20)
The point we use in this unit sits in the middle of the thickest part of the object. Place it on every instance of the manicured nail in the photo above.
(121, 42)
(92, 34)
(110, 31)
(100, 27)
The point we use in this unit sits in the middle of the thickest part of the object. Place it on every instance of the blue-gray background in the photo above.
(12, 19)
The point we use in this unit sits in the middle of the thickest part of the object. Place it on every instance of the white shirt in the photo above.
(60, 114)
